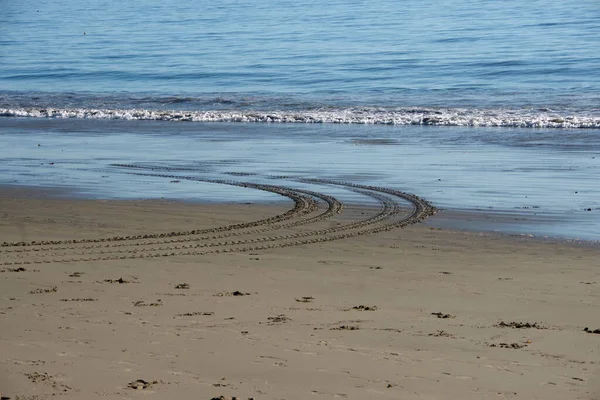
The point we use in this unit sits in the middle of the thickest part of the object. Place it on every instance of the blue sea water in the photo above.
(491, 105)
(477, 62)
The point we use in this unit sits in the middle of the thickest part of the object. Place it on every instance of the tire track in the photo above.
(302, 204)
(334, 206)
(198, 243)
(305, 204)
(387, 210)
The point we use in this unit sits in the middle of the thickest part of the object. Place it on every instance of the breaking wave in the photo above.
(354, 115)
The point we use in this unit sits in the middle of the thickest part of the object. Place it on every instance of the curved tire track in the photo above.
(198, 242)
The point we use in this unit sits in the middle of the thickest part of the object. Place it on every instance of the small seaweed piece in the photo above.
(193, 314)
(596, 331)
(364, 308)
(53, 289)
(441, 334)
(141, 384)
(509, 345)
(141, 303)
(520, 325)
(278, 318)
(305, 299)
(120, 280)
(346, 328)
(442, 315)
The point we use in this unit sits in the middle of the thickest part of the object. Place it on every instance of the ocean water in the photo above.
(446, 62)
(475, 105)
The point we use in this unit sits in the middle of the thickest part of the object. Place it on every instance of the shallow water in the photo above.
(549, 185)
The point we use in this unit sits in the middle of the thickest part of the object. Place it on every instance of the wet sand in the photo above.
(267, 312)
(546, 177)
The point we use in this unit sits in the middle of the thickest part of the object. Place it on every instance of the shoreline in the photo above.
(512, 223)
(456, 169)
(503, 224)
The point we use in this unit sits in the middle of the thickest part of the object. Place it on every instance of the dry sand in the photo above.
(411, 313)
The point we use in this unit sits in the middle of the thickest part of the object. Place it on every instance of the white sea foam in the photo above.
(356, 115)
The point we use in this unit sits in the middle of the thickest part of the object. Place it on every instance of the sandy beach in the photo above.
(300, 200)
(163, 299)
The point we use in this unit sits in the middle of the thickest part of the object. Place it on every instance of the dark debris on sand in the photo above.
(79, 299)
(520, 325)
(442, 315)
(182, 286)
(234, 293)
(278, 319)
(441, 334)
(596, 331)
(53, 289)
(305, 299)
(142, 303)
(364, 308)
(509, 345)
(120, 280)
(19, 269)
(197, 313)
(346, 328)
(140, 384)
(44, 377)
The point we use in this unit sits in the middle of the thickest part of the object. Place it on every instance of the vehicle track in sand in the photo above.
(283, 230)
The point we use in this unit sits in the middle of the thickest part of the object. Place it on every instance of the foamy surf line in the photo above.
(364, 116)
